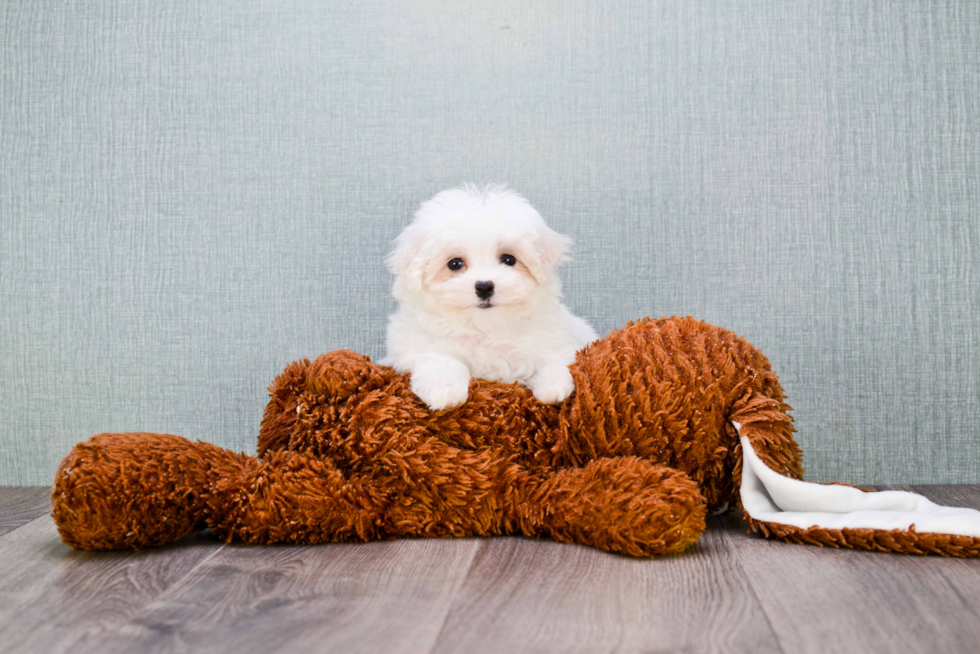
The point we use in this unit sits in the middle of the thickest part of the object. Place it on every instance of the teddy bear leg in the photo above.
(128, 491)
(294, 497)
(622, 504)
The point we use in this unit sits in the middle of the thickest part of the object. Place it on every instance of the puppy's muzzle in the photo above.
(484, 290)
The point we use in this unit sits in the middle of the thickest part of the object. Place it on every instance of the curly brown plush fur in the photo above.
(630, 463)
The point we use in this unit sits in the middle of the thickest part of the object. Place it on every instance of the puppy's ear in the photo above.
(407, 260)
(551, 248)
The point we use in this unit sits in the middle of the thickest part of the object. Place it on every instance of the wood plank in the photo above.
(827, 600)
(375, 597)
(732, 592)
(21, 504)
(27, 556)
(55, 599)
(522, 595)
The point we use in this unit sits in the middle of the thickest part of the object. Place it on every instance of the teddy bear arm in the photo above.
(128, 491)
(619, 504)
(403, 484)
(295, 497)
(439, 489)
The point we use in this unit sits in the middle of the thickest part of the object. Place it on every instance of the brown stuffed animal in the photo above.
(632, 462)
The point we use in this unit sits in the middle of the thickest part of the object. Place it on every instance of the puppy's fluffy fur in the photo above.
(451, 325)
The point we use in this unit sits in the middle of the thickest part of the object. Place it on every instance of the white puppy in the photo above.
(478, 297)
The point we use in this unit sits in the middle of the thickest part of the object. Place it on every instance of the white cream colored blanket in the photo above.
(768, 496)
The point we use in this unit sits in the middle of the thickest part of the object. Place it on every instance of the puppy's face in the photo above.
(480, 271)
(478, 250)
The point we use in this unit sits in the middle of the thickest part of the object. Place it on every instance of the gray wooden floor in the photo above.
(732, 593)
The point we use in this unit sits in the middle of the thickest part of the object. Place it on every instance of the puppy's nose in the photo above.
(484, 290)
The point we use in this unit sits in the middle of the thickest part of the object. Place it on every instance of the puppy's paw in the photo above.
(551, 385)
(439, 396)
(441, 381)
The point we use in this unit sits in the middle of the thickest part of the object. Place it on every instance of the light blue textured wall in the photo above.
(191, 196)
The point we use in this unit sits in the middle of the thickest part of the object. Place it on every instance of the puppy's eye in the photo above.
(455, 264)
(508, 259)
